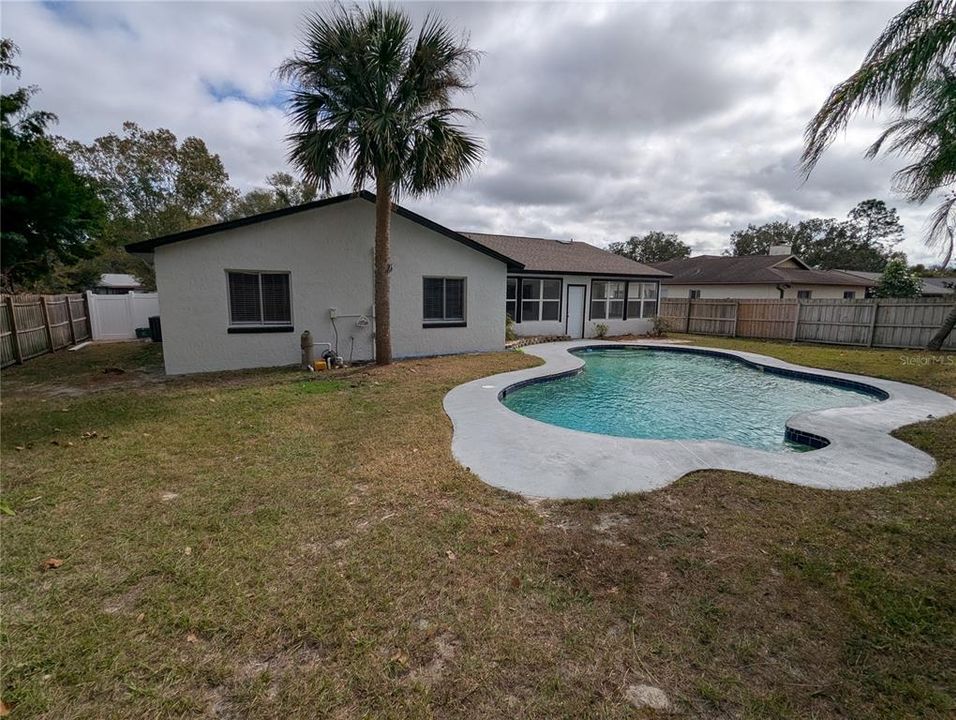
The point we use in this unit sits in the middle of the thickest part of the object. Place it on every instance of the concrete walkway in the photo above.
(537, 459)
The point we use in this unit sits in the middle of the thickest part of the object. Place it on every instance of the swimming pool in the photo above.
(640, 392)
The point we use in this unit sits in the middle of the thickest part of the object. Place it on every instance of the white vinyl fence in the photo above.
(116, 317)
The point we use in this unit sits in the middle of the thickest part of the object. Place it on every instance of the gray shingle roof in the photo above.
(558, 256)
(751, 270)
(932, 286)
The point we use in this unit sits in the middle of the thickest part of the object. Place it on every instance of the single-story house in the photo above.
(238, 294)
(116, 284)
(943, 287)
(777, 275)
(569, 288)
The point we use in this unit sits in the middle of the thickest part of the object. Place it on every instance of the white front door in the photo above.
(575, 323)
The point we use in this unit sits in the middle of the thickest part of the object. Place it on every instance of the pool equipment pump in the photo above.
(308, 353)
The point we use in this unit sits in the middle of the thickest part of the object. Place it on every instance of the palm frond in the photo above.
(319, 155)
(378, 97)
(942, 228)
(919, 37)
(440, 154)
(928, 136)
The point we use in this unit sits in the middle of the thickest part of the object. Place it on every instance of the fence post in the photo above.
(876, 309)
(733, 332)
(131, 298)
(796, 321)
(87, 308)
(46, 322)
(14, 331)
(690, 307)
(69, 317)
(88, 299)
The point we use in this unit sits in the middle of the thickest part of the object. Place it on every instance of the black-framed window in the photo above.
(694, 294)
(259, 298)
(607, 299)
(641, 300)
(511, 299)
(443, 300)
(849, 294)
(804, 294)
(540, 299)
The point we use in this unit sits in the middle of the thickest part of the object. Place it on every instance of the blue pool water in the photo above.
(658, 394)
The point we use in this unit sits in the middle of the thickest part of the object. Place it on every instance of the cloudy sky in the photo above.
(601, 120)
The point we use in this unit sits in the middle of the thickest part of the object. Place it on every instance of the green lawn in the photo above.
(268, 544)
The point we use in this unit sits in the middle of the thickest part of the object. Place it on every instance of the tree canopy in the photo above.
(153, 184)
(876, 224)
(653, 247)
(282, 190)
(372, 98)
(49, 212)
(864, 241)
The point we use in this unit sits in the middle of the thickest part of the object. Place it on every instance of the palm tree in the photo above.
(928, 135)
(372, 98)
(922, 37)
(909, 67)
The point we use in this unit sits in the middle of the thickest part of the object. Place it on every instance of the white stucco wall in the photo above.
(328, 252)
(631, 326)
(719, 292)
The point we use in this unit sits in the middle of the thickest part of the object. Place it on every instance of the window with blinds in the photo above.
(641, 300)
(607, 299)
(259, 298)
(443, 300)
(623, 300)
(540, 299)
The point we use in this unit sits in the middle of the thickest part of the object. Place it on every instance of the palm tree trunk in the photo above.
(944, 330)
(383, 217)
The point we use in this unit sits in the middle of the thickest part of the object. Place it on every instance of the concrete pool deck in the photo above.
(537, 459)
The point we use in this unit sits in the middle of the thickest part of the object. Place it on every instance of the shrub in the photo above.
(661, 327)
(600, 330)
(898, 282)
(510, 333)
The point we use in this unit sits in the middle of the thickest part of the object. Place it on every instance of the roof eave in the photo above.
(850, 281)
(146, 247)
(595, 273)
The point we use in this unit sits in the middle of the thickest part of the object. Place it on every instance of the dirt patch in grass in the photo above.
(275, 544)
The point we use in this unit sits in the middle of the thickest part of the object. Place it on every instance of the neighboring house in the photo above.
(778, 275)
(931, 286)
(239, 294)
(568, 288)
(116, 284)
(938, 286)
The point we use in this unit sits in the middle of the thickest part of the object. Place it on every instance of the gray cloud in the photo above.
(601, 121)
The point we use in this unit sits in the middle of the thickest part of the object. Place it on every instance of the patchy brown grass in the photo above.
(277, 545)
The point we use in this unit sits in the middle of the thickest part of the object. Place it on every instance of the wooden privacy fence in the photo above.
(889, 322)
(31, 325)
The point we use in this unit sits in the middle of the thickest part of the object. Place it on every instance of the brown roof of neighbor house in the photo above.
(752, 270)
(543, 255)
